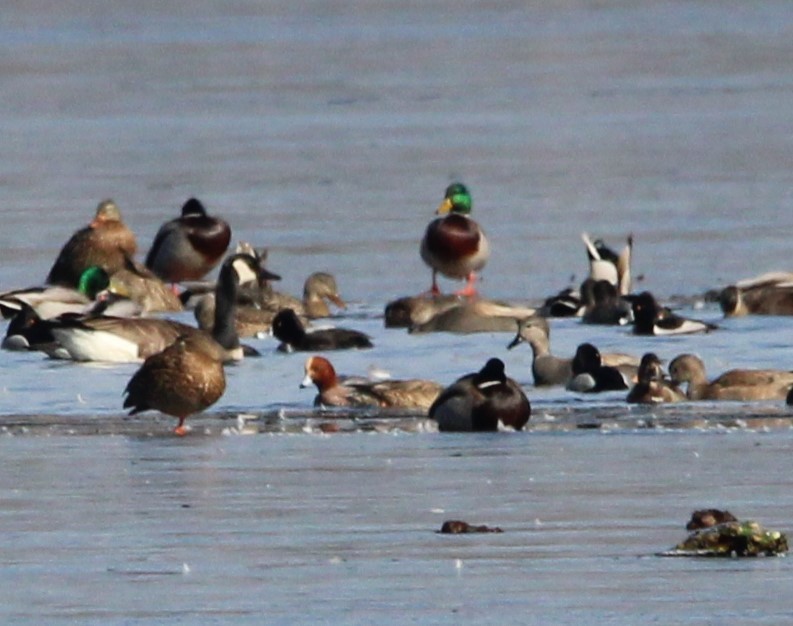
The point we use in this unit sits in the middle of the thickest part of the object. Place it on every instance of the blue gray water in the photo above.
(327, 131)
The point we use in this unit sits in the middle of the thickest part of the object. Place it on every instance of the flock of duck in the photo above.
(100, 304)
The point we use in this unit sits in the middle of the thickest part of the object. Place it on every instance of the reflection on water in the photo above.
(327, 132)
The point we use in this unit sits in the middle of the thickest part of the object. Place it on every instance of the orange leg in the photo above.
(180, 430)
(469, 289)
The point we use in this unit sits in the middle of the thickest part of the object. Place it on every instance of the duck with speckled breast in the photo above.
(454, 244)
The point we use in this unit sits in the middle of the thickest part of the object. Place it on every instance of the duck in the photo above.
(185, 378)
(412, 393)
(649, 318)
(548, 369)
(566, 303)
(590, 375)
(289, 330)
(190, 246)
(651, 387)
(605, 264)
(736, 384)
(603, 305)
(455, 245)
(475, 315)
(319, 289)
(123, 340)
(769, 294)
(140, 285)
(50, 301)
(105, 242)
(482, 400)
(411, 311)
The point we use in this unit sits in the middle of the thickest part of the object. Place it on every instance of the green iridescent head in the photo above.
(93, 280)
(457, 199)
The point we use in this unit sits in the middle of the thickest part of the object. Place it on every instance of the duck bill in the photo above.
(445, 207)
(516, 341)
(306, 382)
(336, 299)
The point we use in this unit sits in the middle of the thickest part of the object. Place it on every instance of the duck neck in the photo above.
(540, 344)
(224, 330)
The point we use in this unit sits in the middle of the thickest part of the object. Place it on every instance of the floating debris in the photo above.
(705, 518)
(458, 527)
(729, 539)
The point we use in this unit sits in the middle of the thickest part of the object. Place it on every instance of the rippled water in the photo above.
(327, 132)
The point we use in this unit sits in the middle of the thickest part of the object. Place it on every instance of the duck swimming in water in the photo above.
(454, 244)
(412, 393)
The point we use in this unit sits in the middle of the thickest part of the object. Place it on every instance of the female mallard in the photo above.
(736, 384)
(455, 245)
(188, 247)
(185, 378)
(357, 392)
(106, 242)
(481, 400)
(126, 340)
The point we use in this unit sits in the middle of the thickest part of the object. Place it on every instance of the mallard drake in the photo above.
(188, 247)
(769, 294)
(412, 393)
(736, 384)
(652, 388)
(605, 264)
(481, 400)
(105, 242)
(590, 375)
(475, 315)
(54, 300)
(124, 340)
(548, 369)
(183, 379)
(289, 330)
(455, 245)
(649, 318)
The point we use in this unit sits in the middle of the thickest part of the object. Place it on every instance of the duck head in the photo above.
(456, 199)
(587, 359)
(287, 327)
(320, 372)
